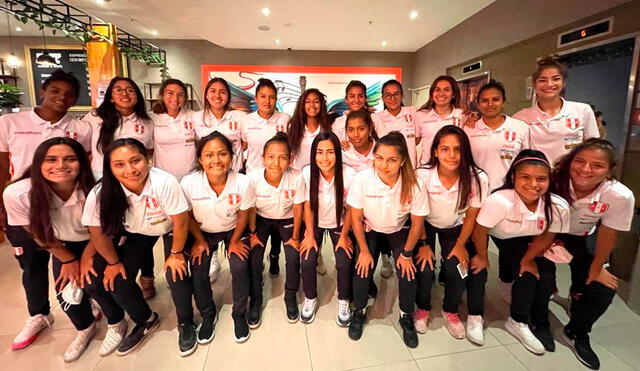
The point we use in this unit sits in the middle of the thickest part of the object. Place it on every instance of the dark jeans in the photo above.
(344, 266)
(454, 284)
(407, 289)
(276, 243)
(34, 262)
(146, 270)
(529, 295)
(292, 257)
(246, 275)
(588, 302)
(196, 285)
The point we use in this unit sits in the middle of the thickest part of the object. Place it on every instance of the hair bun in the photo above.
(549, 59)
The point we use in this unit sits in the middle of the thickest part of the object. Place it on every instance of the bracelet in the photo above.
(176, 252)
(423, 242)
(69, 261)
(406, 254)
(405, 257)
(116, 263)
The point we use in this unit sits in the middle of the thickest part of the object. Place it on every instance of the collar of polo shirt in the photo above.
(593, 196)
(132, 117)
(523, 209)
(76, 197)
(380, 185)
(146, 190)
(435, 182)
(541, 113)
(210, 118)
(63, 121)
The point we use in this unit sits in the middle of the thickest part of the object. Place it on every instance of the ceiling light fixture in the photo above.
(266, 11)
(154, 32)
(413, 14)
(278, 41)
(100, 2)
(18, 29)
(384, 43)
(264, 27)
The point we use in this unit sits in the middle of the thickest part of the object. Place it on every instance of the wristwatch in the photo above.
(407, 254)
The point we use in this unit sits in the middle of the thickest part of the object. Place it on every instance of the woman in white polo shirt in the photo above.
(496, 138)
(47, 205)
(174, 133)
(280, 196)
(388, 203)
(396, 117)
(457, 187)
(356, 99)
(221, 199)
(598, 202)
(327, 183)
(522, 218)
(442, 108)
(257, 128)
(361, 136)
(557, 125)
(132, 206)
(309, 119)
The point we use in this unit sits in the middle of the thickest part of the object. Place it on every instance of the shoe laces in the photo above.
(343, 306)
(308, 305)
(452, 318)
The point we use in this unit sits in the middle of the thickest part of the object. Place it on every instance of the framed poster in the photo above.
(70, 58)
(291, 81)
(469, 87)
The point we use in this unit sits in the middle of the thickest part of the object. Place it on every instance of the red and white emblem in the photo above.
(233, 125)
(234, 199)
(289, 193)
(541, 223)
(139, 129)
(279, 128)
(17, 251)
(455, 121)
(510, 136)
(598, 207)
(71, 134)
(573, 123)
(408, 118)
(151, 203)
(188, 125)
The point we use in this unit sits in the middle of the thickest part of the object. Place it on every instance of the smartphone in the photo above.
(462, 270)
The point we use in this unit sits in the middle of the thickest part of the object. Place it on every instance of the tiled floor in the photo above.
(278, 345)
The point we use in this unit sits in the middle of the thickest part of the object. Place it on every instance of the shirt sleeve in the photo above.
(4, 134)
(16, 205)
(301, 190)
(248, 197)
(619, 215)
(356, 194)
(420, 201)
(85, 135)
(493, 211)
(307, 182)
(91, 211)
(171, 196)
(480, 196)
(186, 185)
(148, 139)
(561, 222)
(590, 124)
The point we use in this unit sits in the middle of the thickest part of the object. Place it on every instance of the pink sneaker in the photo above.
(454, 325)
(421, 320)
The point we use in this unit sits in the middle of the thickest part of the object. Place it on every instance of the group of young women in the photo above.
(371, 183)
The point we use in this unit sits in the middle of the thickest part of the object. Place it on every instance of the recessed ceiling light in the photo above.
(18, 29)
(278, 41)
(384, 43)
(266, 11)
(264, 27)
(413, 14)
(100, 2)
(154, 33)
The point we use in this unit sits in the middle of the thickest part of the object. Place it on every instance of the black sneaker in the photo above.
(207, 329)
(293, 314)
(187, 339)
(274, 267)
(544, 335)
(357, 324)
(373, 293)
(582, 349)
(254, 315)
(409, 334)
(137, 335)
(240, 328)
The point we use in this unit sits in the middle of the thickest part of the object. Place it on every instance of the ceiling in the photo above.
(363, 25)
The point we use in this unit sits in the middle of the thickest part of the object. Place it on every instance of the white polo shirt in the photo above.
(21, 133)
(443, 202)
(327, 195)
(356, 160)
(507, 216)
(339, 127)
(612, 204)
(150, 212)
(380, 203)
(494, 150)
(218, 213)
(229, 125)
(65, 215)
(256, 131)
(557, 135)
(130, 127)
(174, 143)
(277, 202)
(404, 122)
(428, 122)
(303, 157)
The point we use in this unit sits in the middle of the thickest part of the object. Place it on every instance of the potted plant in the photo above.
(9, 97)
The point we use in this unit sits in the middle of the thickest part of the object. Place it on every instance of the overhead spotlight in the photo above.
(384, 43)
(266, 11)
(413, 14)
(278, 41)
(18, 29)
(154, 33)
(13, 61)
(100, 2)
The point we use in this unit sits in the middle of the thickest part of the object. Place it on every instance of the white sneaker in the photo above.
(32, 327)
(309, 310)
(113, 338)
(321, 269)
(505, 291)
(79, 344)
(214, 268)
(387, 266)
(344, 313)
(421, 320)
(522, 332)
(475, 330)
(453, 324)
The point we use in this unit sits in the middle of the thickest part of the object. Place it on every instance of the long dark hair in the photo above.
(561, 176)
(112, 199)
(207, 105)
(455, 90)
(467, 171)
(393, 82)
(531, 157)
(338, 181)
(216, 135)
(295, 128)
(365, 116)
(41, 193)
(361, 85)
(159, 106)
(407, 174)
(111, 117)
